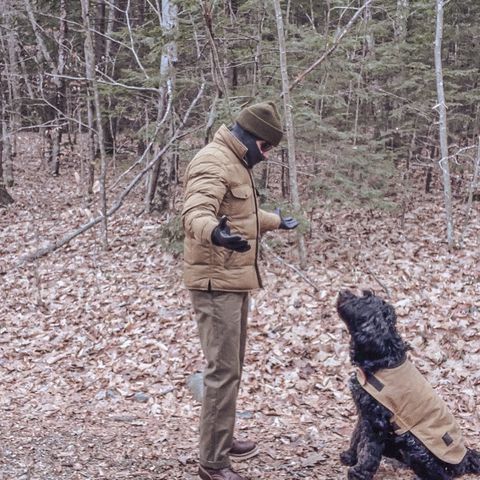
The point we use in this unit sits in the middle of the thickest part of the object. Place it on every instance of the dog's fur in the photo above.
(375, 344)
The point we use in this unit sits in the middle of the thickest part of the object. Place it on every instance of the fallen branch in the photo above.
(52, 246)
(292, 267)
(384, 287)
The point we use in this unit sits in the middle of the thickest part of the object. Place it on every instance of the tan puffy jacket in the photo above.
(217, 183)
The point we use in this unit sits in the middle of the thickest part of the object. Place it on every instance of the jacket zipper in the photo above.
(257, 233)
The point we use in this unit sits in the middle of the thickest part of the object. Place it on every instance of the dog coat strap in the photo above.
(416, 408)
(375, 382)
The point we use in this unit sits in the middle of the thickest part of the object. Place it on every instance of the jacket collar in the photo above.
(225, 137)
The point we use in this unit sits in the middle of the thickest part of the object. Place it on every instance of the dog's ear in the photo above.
(375, 333)
(367, 293)
(389, 313)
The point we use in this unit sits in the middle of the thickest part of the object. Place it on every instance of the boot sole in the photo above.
(244, 456)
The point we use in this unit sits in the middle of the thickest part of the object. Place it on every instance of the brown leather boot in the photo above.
(243, 449)
(220, 474)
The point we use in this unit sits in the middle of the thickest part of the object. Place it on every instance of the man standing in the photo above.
(223, 224)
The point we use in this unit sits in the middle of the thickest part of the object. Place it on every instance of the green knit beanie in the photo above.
(263, 121)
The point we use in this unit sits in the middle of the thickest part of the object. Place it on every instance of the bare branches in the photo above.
(38, 35)
(332, 48)
(117, 204)
(132, 43)
(216, 64)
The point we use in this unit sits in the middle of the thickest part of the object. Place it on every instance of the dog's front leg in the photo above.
(349, 457)
(369, 452)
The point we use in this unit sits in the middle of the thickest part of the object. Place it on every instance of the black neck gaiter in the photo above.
(253, 155)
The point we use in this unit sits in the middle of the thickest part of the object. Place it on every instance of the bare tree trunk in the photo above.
(60, 93)
(257, 64)
(14, 92)
(56, 111)
(292, 163)
(472, 188)
(104, 24)
(217, 71)
(89, 171)
(5, 198)
(161, 176)
(99, 36)
(368, 50)
(400, 24)
(90, 72)
(442, 110)
(5, 143)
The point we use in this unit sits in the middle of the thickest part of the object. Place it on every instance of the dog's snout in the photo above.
(344, 295)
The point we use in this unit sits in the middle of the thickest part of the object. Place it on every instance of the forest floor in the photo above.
(96, 346)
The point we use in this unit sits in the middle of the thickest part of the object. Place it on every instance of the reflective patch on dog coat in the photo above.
(416, 408)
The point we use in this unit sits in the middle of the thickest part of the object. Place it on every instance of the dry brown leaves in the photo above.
(96, 346)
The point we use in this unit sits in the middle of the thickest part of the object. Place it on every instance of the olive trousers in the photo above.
(222, 326)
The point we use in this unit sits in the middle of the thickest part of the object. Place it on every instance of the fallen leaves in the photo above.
(96, 347)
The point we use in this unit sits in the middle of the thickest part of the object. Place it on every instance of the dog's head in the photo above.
(371, 322)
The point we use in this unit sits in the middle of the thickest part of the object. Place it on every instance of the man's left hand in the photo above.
(286, 223)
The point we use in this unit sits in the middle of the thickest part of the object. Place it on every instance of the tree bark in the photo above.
(55, 112)
(160, 177)
(221, 84)
(60, 93)
(442, 110)
(90, 72)
(5, 198)
(104, 23)
(14, 92)
(91, 150)
(474, 185)
(400, 24)
(292, 163)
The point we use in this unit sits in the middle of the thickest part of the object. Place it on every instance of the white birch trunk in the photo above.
(168, 59)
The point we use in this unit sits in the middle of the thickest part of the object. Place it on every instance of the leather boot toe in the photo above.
(243, 449)
(218, 474)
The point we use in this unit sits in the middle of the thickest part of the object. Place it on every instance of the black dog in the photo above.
(378, 351)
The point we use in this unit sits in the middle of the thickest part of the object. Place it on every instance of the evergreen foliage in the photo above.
(360, 118)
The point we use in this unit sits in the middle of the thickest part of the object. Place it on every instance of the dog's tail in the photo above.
(472, 461)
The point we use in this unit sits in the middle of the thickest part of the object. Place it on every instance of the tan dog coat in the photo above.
(416, 408)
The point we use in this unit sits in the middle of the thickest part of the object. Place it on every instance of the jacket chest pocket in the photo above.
(239, 201)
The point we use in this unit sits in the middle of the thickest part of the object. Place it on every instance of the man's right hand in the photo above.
(222, 238)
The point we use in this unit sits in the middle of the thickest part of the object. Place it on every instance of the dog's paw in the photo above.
(348, 458)
(358, 474)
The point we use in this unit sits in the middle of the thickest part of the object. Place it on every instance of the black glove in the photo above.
(286, 223)
(222, 238)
